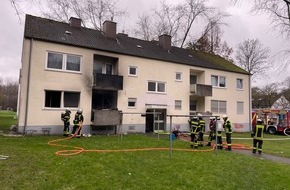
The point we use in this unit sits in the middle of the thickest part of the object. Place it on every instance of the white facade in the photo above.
(33, 114)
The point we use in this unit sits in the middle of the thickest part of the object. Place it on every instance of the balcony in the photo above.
(201, 90)
(107, 82)
(106, 117)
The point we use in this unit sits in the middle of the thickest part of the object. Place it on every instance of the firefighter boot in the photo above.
(254, 151)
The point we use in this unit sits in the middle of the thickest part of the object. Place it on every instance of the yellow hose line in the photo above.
(78, 150)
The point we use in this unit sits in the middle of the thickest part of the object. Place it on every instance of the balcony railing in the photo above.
(108, 82)
(106, 117)
(201, 90)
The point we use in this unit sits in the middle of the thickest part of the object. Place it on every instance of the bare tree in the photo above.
(211, 42)
(8, 93)
(168, 20)
(253, 57)
(279, 15)
(144, 27)
(192, 10)
(178, 20)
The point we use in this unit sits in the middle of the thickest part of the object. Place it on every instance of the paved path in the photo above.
(261, 156)
(264, 156)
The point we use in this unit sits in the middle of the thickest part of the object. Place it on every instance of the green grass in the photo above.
(33, 165)
(7, 118)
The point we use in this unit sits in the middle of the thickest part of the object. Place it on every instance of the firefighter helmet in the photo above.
(80, 111)
(225, 116)
(67, 111)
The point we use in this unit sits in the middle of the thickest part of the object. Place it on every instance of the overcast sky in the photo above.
(242, 25)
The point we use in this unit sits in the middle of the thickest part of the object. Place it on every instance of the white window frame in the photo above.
(64, 62)
(218, 81)
(178, 104)
(241, 81)
(136, 70)
(240, 107)
(132, 100)
(156, 87)
(176, 76)
(219, 108)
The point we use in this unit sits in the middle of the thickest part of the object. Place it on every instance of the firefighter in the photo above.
(194, 125)
(218, 125)
(228, 130)
(65, 117)
(78, 121)
(202, 129)
(211, 131)
(257, 135)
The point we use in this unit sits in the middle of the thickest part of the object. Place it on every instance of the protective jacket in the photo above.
(258, 132)
(195, 127)
(227, 126)
(79, 118)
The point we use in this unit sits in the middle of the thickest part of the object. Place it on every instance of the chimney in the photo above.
(110, 29)
(75, 22)
(165, 41)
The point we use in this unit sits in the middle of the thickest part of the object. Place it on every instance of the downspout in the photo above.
(250, 101)
(28, 85)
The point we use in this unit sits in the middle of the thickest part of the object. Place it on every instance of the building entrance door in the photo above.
(155, 120)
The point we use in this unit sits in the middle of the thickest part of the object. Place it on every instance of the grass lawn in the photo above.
(7, 118)
(33, 164)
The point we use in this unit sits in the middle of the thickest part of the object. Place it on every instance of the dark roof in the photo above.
(62, 33)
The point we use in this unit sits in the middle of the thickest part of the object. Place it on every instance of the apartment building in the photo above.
(123, 84)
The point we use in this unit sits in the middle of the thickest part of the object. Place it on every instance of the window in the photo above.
(218, 81)
(178, 76)
(73, 63)
(71, 99)
(192, 105)
(54, 99)
(132, 102)
(109, 69)
(132, 71)
(240, 107)
(156, 86)
(178, 104)
(240, 84)
(63, 62)
(218, 106)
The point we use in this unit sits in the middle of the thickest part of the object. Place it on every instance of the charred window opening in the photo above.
(52, 99)
(104, 100)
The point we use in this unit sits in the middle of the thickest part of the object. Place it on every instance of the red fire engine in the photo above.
(276, 121)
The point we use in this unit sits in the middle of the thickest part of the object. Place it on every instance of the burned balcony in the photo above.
(108, 82)
(106, 117)
(201, 90)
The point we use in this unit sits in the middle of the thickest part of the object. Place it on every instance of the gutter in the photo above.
(28, 85)
(250, 101)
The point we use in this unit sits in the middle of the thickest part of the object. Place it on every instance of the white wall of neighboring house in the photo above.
(42, 79)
